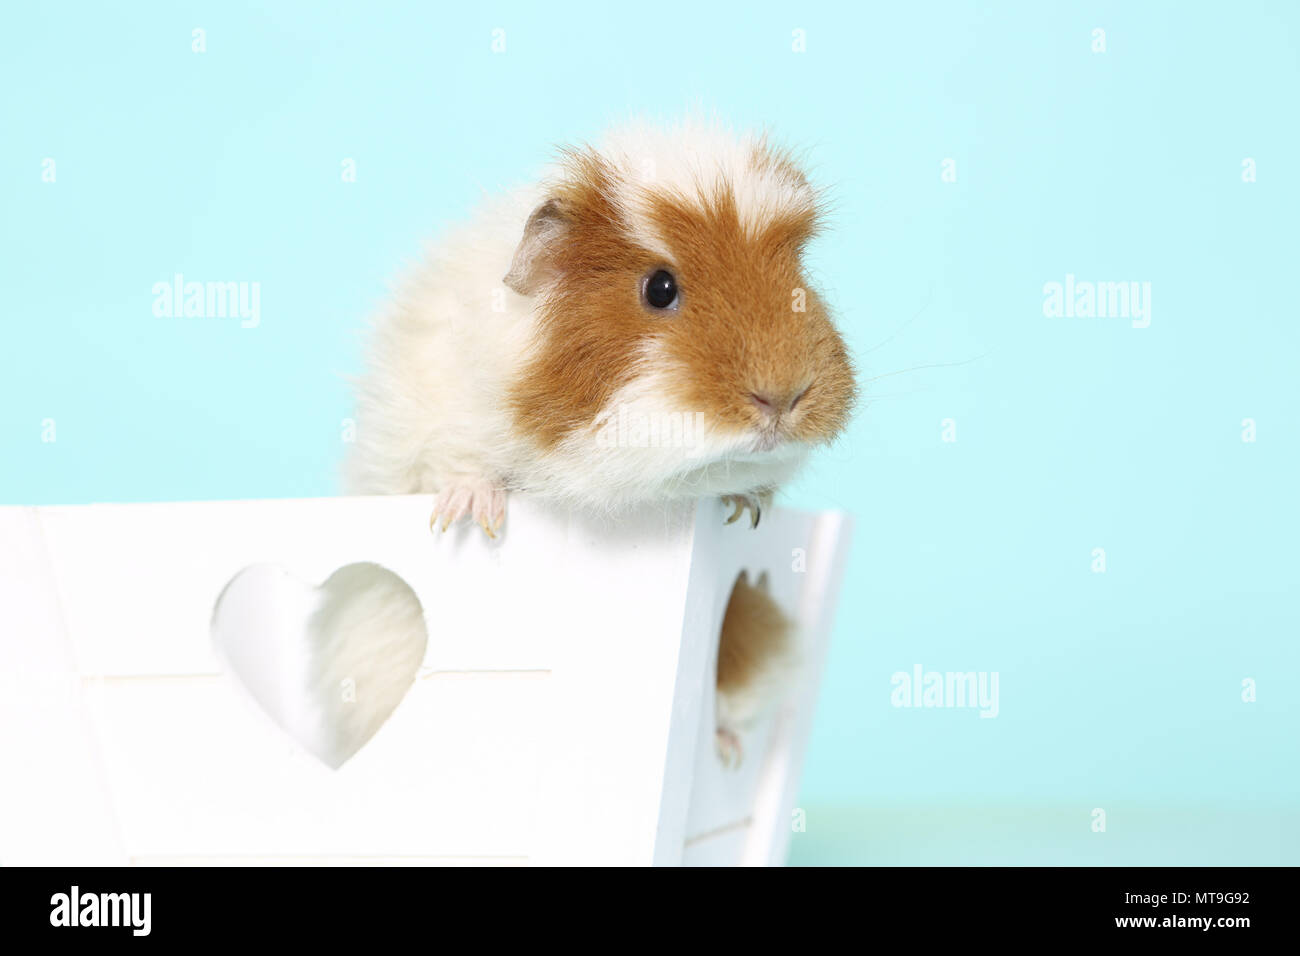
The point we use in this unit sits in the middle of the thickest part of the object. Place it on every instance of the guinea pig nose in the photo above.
(772, 404)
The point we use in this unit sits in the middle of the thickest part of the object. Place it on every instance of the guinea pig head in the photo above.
(676, 287)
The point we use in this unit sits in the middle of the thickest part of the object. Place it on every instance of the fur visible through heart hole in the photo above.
(328, 664)
(756, 661)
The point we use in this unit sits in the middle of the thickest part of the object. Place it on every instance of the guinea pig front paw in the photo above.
(484, 500)
(754, 502)
(730, 751)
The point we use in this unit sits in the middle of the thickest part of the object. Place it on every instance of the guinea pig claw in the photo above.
(738, 504)
(753, 503)
(484, 501)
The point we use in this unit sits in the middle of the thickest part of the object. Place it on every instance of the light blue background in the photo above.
(1119, 690)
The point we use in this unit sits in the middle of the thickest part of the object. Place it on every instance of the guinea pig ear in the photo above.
(534, 261)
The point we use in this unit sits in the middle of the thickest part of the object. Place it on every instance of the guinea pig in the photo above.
(635, 327)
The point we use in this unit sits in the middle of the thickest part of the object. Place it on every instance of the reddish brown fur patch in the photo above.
(736, 331)
(591, 325)
(755, 635)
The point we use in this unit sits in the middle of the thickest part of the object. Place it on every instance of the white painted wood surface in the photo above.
(564, 713)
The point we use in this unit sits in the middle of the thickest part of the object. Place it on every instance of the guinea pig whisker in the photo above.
(918, 368)
(915, 315)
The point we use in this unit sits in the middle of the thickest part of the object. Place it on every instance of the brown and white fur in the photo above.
(525, 332)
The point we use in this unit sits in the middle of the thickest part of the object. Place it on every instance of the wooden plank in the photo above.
(778, 789)
(54, 800)
(564, 712)
(454, 772)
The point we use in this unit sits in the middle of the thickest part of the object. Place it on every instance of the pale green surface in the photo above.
(1053, 836)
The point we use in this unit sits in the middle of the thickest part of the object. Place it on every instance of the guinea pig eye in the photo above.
(660, 291)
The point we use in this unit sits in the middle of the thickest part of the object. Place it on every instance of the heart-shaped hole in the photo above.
(755, 661)
(328, 664)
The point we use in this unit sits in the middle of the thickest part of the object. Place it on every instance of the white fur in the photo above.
(693, 160)
(328, 664)
(367, 636)
(433, 406)
(711, 461)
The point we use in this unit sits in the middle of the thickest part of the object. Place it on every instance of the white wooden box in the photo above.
(564, 712)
